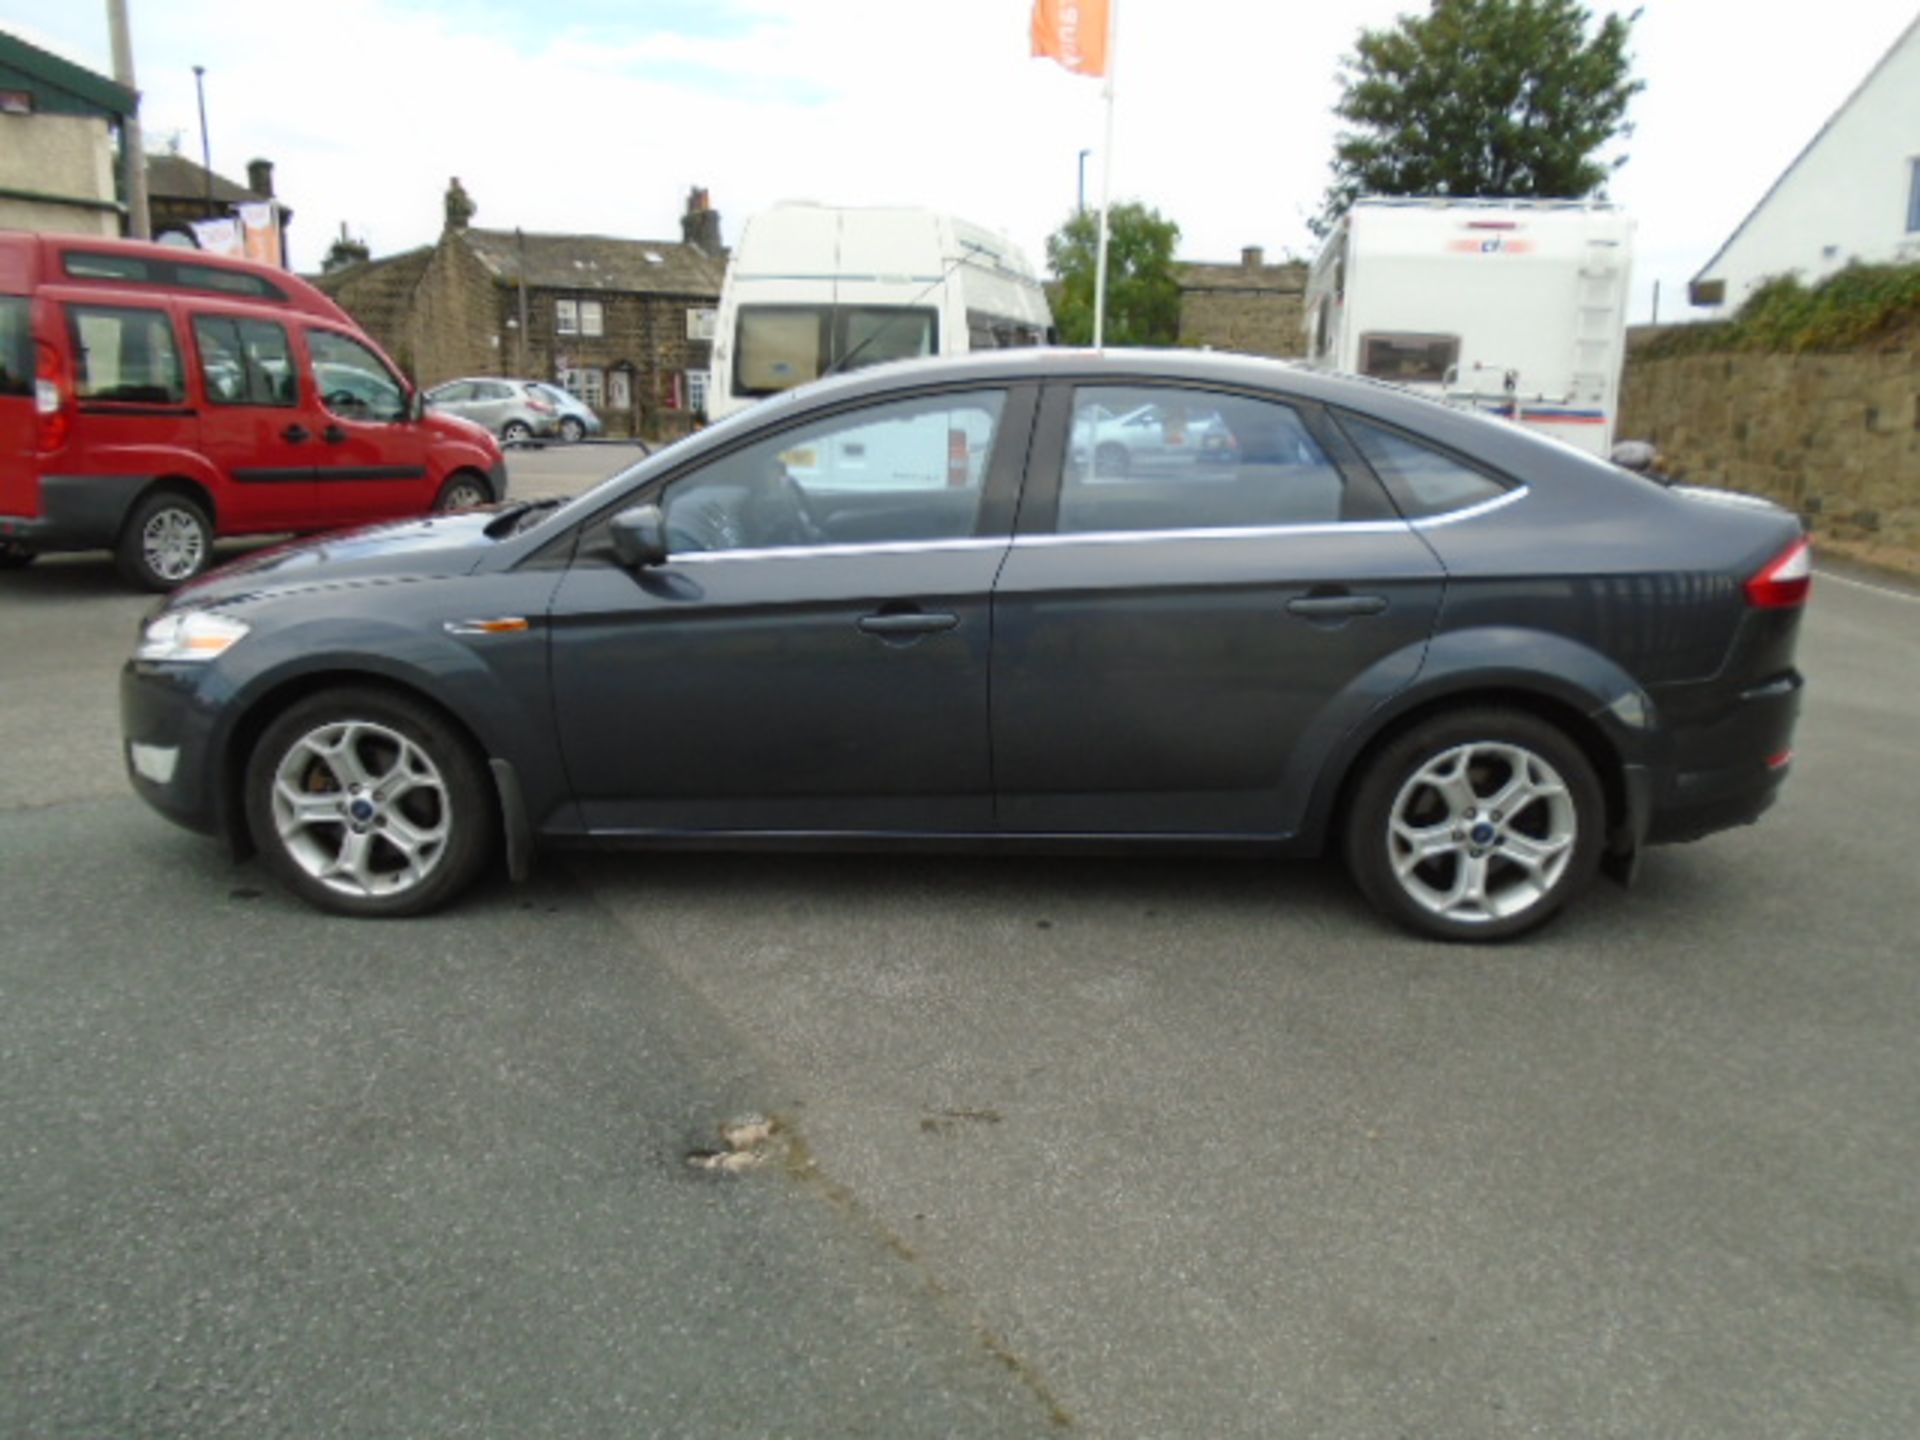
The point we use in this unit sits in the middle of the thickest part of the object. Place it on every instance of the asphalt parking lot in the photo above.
(1120, 1148)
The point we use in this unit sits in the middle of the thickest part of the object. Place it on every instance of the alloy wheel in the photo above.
(362, 809)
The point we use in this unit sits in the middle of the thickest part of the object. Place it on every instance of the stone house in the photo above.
(1252, 307)
(181, 193)
(624, 324)
(61, 126)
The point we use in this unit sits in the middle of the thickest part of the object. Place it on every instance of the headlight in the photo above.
(191, 636)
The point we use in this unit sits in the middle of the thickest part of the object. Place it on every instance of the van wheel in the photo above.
(14, 556)
(367, 803)
(1476, 825)
(166, 541)
(463, 491)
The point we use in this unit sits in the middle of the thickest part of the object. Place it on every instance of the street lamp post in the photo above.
(1083, 182)
(206, 147)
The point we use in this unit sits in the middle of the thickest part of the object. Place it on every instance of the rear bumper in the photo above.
(1729, 771)
(77, 512)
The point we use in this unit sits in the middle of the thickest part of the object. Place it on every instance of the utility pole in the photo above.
(133, 150)
(206, 146)
(1081, 207)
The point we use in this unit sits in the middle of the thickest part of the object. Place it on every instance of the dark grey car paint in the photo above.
(1129, 690)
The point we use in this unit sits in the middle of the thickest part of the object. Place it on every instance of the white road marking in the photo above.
(1828, 577)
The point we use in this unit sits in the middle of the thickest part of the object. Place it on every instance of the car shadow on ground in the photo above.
(88, 573)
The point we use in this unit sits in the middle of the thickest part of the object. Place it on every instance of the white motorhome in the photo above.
(1517, 307)
(812, 289)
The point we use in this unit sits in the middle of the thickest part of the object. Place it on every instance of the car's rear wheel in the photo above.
(14, 556)
(573, 430)
(367, 803)
(463, 491)
(1476, 825)
(166, 541)
(516, 430)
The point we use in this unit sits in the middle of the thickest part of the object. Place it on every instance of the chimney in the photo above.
(700, 226)
(1252, 257)
(260, 178)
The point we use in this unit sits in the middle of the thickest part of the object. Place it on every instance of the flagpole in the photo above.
(1106, 179)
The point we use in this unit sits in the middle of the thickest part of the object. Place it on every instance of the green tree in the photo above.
(1143, 298)
(1483, 97)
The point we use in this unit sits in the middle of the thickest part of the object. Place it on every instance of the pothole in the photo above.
(747, 1142)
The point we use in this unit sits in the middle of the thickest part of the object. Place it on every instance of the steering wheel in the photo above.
(702, 525)
(777, 514)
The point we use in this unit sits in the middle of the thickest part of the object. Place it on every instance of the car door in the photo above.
(371, 462)
(1175, 648)
(259, 424)
(769, 677)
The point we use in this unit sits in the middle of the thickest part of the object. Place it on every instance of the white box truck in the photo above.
(812, 290)
(1515, 307)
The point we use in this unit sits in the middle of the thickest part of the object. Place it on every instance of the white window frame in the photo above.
(589, 382)
(703, 322)
(593, 318)
(566, 317)
(697, 391)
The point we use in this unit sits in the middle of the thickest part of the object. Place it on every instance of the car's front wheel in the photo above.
(463, 491)
(166, 541)
(573, 430)
(1476, 825)
(368, 803)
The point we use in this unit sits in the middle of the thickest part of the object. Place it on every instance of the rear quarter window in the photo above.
(16, 345)
(126, 354)
(1423, 481)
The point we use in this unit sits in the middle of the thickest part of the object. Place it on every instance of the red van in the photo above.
(152, 398)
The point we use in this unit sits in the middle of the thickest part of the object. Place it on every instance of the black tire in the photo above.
(1112, 460)
(396, 848)
(166, 541)
(463, 491)
(1487, 874)
(515, 430)
(16, 557)
(573, 430)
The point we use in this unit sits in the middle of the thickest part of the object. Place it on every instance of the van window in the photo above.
(16, 346)
(780, 346)
(181, 274)
(245, 362)
(127, 354)
(1409, 359)
(353, 382)
(1001, 332)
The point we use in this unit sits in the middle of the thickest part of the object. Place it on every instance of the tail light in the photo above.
(1783, 581)
(539, 407)
(50, 399)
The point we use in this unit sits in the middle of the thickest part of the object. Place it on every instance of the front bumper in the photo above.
(169, 745)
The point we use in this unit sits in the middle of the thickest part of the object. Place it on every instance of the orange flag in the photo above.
(1074, 32)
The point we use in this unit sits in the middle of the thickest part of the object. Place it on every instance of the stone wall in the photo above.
(1253, 307)
(1834, 436)
(58, 157)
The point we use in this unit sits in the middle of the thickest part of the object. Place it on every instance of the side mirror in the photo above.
(640, 537)
(416, 406)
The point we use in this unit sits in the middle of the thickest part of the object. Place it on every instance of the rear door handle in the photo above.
(1336, 607)
(295, 434)
(333, 435)
(912, 622)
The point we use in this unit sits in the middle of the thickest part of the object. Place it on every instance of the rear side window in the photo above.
(245, 362)
(1423, 481)
(126, 354)
(16, 346)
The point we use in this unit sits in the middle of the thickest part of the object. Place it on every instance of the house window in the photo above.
(703, 322)
(566, 318)
(592, 318)
(1913, 196)
(697, 391)
(590, 384)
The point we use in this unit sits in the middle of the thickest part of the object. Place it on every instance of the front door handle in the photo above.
(296, 434)
(333, 435)
(1336, 607)
(892, 625)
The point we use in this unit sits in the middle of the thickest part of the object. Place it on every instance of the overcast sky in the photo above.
(598, 115)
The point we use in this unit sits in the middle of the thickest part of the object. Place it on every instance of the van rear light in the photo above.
(55, 416)
(1783, 581)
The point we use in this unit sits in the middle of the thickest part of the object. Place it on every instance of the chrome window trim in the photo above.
(1218, 532)
(877, 547)
(1474, 512)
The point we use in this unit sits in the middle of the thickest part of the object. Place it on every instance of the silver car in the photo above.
(511, 409)
(577, 418)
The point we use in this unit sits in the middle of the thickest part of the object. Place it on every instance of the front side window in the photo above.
(911, 470)
(16, 345)
(1423, 481)
(355, 384)
(1410, 359)
(244, 362)
(126, 354)
(566, 317)
(1157, 458)
(780, 346)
